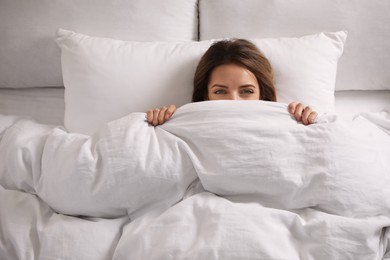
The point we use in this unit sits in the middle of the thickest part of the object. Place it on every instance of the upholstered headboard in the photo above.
(365, 64)
(30, 58)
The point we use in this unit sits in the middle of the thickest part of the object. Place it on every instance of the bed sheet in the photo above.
(352, 103)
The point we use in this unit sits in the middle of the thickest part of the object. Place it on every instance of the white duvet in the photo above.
(220, 180)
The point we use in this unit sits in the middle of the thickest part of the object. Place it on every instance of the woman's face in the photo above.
(232, 82)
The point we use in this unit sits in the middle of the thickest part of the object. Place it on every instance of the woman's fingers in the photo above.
(298, 112)
(302, 113)
(296, 109)
(312, 117)
(156, 112)
(308, 116)
(291, 107)
(305, 115)
(159, 116)
(171, 109)
(149, 116)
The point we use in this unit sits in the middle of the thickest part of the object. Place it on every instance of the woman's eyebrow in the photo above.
(247, 85)
(219, 86)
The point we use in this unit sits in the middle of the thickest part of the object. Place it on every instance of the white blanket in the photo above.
(273, 188)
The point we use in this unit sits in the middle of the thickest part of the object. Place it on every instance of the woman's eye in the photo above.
(220, 91)
(247, 91)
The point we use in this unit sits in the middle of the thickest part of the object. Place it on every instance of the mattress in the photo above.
(353, 102)
(47, 105)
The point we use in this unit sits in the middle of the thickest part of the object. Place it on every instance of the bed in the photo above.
(84, 176)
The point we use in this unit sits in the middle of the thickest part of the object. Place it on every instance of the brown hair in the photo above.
(236, 51)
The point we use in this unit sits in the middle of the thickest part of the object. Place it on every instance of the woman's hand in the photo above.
(159, 116)
(302, 113)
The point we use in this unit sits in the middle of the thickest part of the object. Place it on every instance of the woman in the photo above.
(233, 70)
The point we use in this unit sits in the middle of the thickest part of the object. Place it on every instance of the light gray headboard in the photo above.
(365, 64)
(29, 56)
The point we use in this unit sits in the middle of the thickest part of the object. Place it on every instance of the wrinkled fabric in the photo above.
(219, 180)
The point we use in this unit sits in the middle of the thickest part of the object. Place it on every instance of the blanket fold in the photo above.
(252, 149)
(255, 149)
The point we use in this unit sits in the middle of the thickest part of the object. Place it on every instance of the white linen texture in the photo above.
(319, 191)
(106, 79)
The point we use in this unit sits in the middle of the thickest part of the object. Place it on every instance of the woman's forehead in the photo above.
(231, 73)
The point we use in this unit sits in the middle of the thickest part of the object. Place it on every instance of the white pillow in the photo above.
(305, 68)
(366, 60)
(106, 79)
